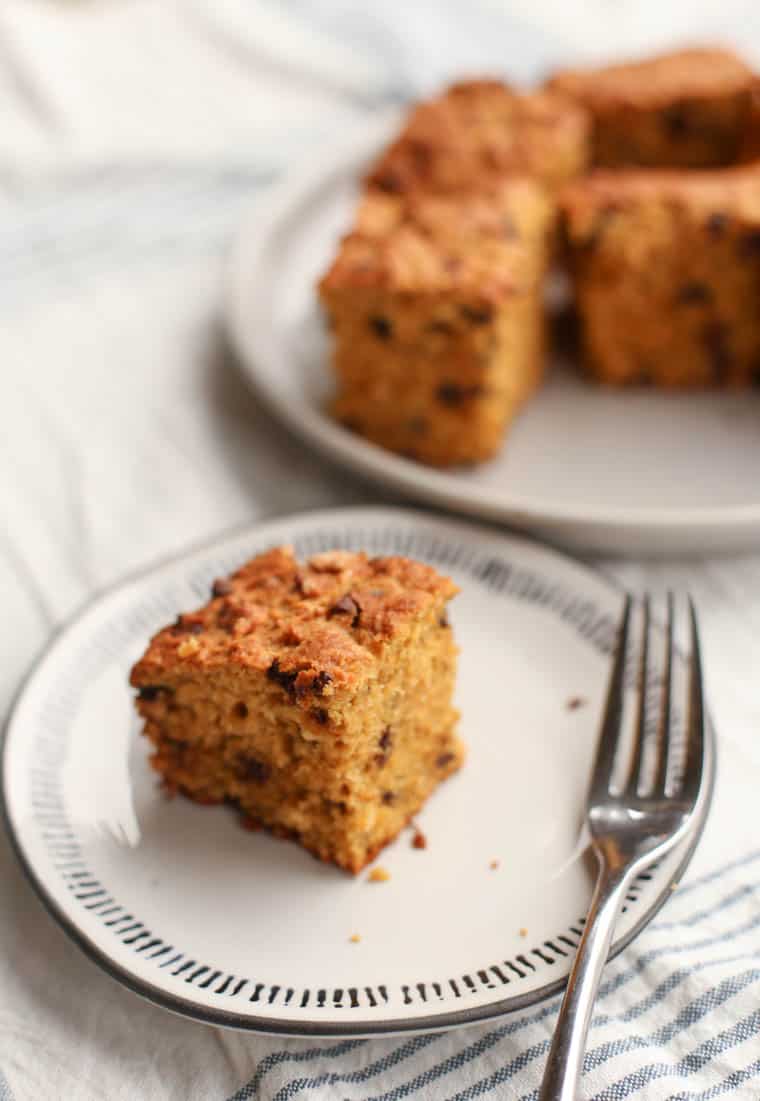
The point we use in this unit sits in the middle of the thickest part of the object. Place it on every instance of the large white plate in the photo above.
(242, 930)
(632, 471)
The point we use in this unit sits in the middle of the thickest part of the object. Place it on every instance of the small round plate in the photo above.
(584, 465)
(239, 929)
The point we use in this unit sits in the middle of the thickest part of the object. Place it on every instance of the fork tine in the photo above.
(663, 727)
(695, 729)
(634, 776)
(610, 730)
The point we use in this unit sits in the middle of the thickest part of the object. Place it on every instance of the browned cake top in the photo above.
(311, 628)
(492, 242)
(479, 129)
(657, 81)
(720, 198)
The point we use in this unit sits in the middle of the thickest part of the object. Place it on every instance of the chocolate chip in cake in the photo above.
(320, 715)
(716, 224)
(388, 798)
(251, 768)
(185, 626)
(477, 315)
(676, 120)
(227, 616)
(421, 153)
(347, 605)
(285, 679)
(715, 339)
(221, 587)
(151, 691)
(381, 327)
(749, 245)
(444, 759)
(443, 620)
(453, 395)
(240, 710)
(389, 181)
(320, 682)
(386, 738)
(693, 293)
(441, 325)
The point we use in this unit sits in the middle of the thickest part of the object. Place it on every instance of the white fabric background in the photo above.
(133, 136)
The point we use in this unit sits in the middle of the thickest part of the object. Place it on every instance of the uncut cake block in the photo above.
(666, 273)
(682, 109)
(478, 131)
(435, 304)
(315, 697)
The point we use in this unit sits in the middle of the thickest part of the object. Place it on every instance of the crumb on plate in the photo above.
(379, 875)
(419, 840)
(575, 702)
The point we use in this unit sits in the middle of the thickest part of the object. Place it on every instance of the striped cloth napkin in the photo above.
(133, 136)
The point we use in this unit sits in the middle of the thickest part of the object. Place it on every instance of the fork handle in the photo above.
(565, 1062)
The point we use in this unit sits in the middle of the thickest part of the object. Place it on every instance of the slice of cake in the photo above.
(316, 697)
(435, 307)
(684, 109)
(479, 131)
(666, 270)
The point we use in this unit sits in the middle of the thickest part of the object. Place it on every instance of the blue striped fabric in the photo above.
(671, 1013)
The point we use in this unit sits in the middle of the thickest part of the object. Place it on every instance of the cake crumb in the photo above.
(523, 932)
(494, 865)
(379, 875)
(575, 702)
(674, 886)
(354, 938)
(419, 840)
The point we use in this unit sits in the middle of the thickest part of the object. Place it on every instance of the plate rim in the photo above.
(278, 1026)
(425, 484)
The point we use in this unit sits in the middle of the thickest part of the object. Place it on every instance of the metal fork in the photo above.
(630, 828)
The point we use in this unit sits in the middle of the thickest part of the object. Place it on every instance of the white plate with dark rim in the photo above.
(238, 929)
(619, 471)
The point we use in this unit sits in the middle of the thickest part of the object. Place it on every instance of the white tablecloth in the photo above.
(133, 135)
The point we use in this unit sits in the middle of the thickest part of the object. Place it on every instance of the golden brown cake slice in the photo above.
(479, 131)
(316, 697)
(435, 307)
(666, 269)
(683, 109)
